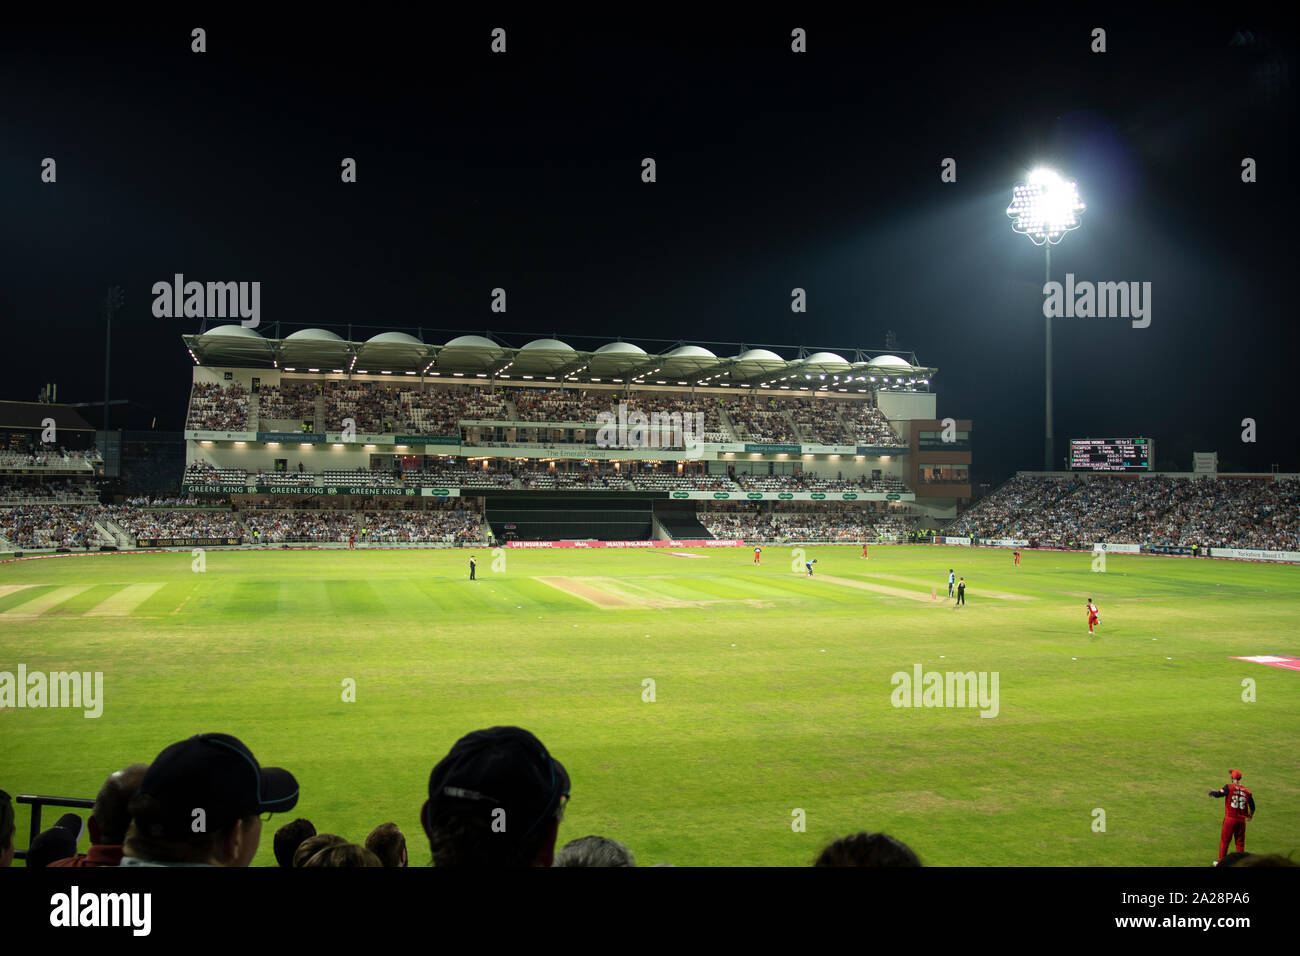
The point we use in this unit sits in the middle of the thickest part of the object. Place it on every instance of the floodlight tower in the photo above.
(1045, 208)
(112, 303)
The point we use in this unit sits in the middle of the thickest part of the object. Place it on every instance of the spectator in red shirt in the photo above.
(109, 819)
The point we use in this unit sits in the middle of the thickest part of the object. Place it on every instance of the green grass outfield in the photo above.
(772, 691)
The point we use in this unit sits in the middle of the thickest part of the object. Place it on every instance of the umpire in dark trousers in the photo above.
(961, 591)
(472, 565)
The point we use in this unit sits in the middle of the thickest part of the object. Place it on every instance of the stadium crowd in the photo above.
(800, 521)
(49, 526)
(218, 407)
(867, 425)
(45, 455)
(141, 816)
(1179, 512)
(562, 405)
(61, 490)
(381, 408)
(378, 408)
(203, 523)
(818, 421)
(762, 421)
(811, 481)
(288, 401)
(166, 501)
(449, 526)
(275, 526)
(454, 523)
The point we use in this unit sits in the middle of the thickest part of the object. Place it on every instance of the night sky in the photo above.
(775, 170)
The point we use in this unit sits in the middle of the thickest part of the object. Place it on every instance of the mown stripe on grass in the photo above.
(42, 603)
(352, 597)
(252, 598)
(23, 593)
(86, 599)
(434, 594)
(125, 601)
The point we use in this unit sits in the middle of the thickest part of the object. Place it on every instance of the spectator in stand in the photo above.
(502, 773)
(289, 837)
(215, 407)
(868, 849)
(1181, 512)
(342, 855)
(7, 826)
(594, 851)
(313, 845)
(217, 773)
(109, 819)
(388, 843)
(57, 843)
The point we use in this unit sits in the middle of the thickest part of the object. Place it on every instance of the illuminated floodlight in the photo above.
(1045, 207)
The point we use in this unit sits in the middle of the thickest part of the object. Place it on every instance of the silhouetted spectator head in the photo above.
(1266, 859)
(867, 849)
(109, 819)
(57, 843)
(313, 845)
(111, 815)
(1233, 859)
(594, 851)
(289, 837)
(388, 843)
(342, 855)
(6, 829)
(201, 802)
(495, 800)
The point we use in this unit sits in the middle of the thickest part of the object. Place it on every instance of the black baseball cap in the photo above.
(214, 773)
(57, 843)
(501, 767)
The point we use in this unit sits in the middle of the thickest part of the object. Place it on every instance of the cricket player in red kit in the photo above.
(1016, 554)
(864, 550)
(1093, 619)
(758, 552)
(1238, 808)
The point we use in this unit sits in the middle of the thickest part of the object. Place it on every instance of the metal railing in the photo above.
(37, 802)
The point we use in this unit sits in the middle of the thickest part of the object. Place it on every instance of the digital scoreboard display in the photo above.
(1110, 454)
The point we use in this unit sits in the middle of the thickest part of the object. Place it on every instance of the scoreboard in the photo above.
(1110, 454)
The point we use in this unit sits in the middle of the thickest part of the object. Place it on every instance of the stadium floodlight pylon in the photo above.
(1045, 208)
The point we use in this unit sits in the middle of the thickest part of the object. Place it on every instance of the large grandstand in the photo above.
(296, 440)
(317, 439)
(524, 436)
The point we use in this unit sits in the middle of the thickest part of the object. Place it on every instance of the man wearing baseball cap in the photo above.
(496, 800)
(201, 804)
(1238, 808)
(56, 843)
